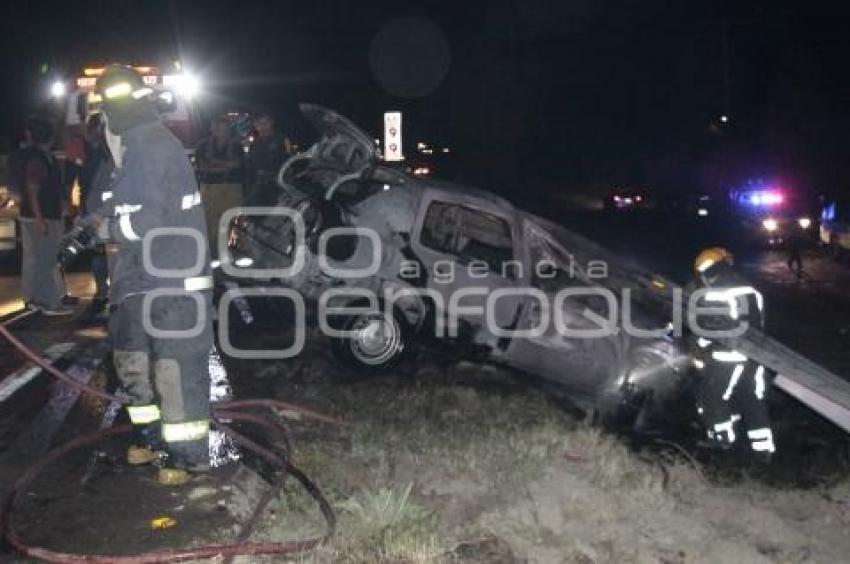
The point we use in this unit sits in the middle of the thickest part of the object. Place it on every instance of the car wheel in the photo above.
(377, 342)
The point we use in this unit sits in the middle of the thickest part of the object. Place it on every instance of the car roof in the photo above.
(459, 189)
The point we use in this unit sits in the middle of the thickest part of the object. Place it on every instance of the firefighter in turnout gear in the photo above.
(731, 387)
(161, 329)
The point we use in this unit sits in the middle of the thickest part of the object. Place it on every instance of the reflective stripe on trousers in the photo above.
(727, 427)
(762, 440)
(736, 375)
(187, 431)
(198, 283)
(143, 414)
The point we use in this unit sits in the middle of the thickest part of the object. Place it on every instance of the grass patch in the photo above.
(429, 463)
(388, 524)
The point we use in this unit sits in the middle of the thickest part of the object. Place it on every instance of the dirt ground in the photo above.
(452, 461)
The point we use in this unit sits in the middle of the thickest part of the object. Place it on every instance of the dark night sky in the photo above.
(560, 94)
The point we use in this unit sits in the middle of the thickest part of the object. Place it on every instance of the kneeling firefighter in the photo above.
(160, 282)
(731, 387)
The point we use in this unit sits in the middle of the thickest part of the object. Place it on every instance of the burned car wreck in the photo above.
(391, 260)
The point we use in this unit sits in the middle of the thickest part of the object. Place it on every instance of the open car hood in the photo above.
(343, 153)
(341, 141)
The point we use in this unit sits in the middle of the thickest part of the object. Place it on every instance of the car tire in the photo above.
(379, 343)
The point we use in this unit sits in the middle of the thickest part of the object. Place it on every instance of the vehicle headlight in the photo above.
(804, 222)
(770, 224)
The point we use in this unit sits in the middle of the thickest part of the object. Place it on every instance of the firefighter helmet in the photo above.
(120, 82)
(711, 256)
(126, 98)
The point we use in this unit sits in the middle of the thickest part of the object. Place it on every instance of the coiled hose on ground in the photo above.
(224, 413)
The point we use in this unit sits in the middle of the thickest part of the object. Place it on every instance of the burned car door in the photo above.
(467, 251)
(586, 365)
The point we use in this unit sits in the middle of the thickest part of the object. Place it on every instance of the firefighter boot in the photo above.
(185, 458)
(146, 445)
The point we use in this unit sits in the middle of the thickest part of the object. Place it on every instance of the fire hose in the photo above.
(224, 412)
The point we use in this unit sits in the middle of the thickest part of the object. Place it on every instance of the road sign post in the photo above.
(392, 137)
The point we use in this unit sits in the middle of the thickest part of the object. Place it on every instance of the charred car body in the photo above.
(396, 259)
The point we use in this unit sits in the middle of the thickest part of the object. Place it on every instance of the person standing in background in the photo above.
(44, 204)
(265, 157)
(221, 172)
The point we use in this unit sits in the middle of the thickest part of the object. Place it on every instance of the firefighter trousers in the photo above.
(165, 371)
(731, 400)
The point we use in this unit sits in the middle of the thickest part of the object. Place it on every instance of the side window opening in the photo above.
(470, 235)
(483, 237)
(440, 227)
(552, 268)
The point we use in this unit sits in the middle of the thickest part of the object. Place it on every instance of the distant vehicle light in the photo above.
(770, 224)
(422, 171)
(805, 222)
(702, 212)
(638, 198)
(57, 89)
(766, 198)
(617, 198)
(628, 200)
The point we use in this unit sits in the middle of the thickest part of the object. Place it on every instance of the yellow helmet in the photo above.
(711, 256)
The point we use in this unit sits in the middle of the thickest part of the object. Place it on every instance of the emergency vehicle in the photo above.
(174, 91)
(771, 215)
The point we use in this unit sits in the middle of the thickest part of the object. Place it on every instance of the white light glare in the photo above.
(770, 224)
(185, 85)
(805, 222)
(57, 89)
